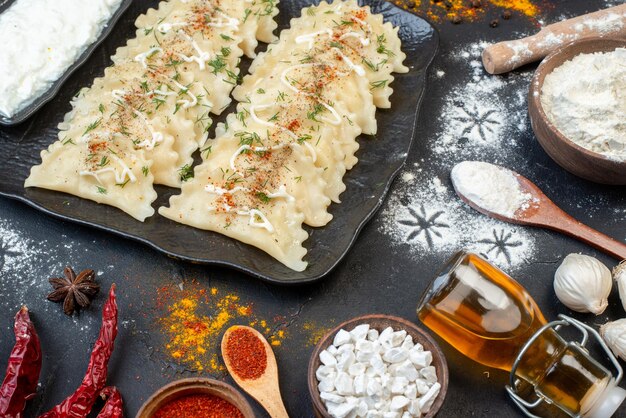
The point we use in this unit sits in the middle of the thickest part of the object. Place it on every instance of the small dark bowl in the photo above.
(194, 386)
(572, 157)
(380, 322)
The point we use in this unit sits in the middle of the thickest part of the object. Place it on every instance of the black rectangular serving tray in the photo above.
(380, 159)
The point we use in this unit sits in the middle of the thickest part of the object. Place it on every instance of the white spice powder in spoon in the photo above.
(491, 187)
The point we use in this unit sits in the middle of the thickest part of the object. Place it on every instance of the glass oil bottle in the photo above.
(490, 318)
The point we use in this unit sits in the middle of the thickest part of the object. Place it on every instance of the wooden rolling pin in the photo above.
(506, 56)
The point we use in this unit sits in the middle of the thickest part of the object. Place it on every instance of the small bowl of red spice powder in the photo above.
(196, 398)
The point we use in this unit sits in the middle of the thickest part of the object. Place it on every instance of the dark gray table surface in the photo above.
(377, 276)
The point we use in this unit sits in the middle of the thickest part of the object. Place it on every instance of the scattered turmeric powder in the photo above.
(315, 332)
(467, 10)
(194, 321)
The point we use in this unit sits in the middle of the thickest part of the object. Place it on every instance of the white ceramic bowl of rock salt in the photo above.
(377, 363)
(600, 160)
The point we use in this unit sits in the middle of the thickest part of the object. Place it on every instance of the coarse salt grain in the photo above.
(394, 376)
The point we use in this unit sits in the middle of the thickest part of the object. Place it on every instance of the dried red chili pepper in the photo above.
(20, 382)
(113, 408)
(79, 404)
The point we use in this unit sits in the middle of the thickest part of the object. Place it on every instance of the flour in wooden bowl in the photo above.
(585, 98)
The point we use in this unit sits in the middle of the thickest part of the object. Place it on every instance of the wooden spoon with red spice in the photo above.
(251, 362)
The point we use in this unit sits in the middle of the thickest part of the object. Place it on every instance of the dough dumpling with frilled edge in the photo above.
(330, 83)
(279, 162)
(349, 32)
(329, 132)
(102, 169)
(258, 23)
(96, 111)
(212, 201)
(255, 18)
(209, 54)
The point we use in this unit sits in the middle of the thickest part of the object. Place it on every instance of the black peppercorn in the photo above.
(476, 3)
(411, 5)
(506, 15)
(456, 19)
(494, 23)
(448, 5)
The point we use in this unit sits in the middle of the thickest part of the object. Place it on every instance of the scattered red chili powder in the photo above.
(198, 406)
(246, 354)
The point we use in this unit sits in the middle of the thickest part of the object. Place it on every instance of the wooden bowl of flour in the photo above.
(574, 158)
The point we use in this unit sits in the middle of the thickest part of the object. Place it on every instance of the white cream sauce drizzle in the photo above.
(166, 27)
(281, 192)
(289, 132)
(355, 67)
(119, 94)
(365, 41)
(223, 21)
(251, 148)
(283, 79)
(143, 57)
(157, 137)
(310, 37)
(254, 214)
(186, 103)
(220, 191)
(119, 176)
(210, 188)
(160, 92)
(362, 23)
(202, 56)
(104, 134)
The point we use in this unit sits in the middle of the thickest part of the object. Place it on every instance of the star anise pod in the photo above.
(74, 290)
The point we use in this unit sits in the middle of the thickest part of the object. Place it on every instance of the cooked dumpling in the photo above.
(285, 150)
(328, 133)
(101, 168)
(214, 201)
(271, 162)
(152, 106)
(355, 36)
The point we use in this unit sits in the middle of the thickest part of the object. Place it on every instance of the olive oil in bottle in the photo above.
(489, 317)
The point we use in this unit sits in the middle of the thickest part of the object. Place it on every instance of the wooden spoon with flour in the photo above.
(508, 196)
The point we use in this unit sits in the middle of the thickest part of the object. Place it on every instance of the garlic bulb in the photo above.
(614, 335)
(583, 283)
(619, 274)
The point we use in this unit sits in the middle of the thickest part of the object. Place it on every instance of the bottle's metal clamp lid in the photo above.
(563, 320)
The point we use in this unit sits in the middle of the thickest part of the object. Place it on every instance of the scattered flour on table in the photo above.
(484, 112)
(483, 117)
(26, 263)
(426, 214)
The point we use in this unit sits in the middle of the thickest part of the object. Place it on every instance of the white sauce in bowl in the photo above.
(40, 40)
